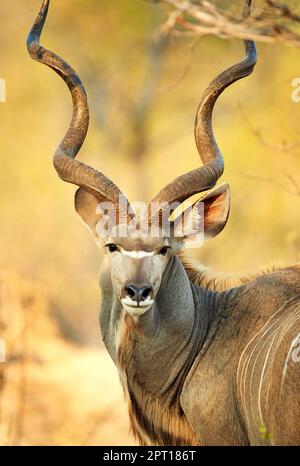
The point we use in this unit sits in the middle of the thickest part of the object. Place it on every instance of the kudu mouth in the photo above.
(136, 309)
(137, 299)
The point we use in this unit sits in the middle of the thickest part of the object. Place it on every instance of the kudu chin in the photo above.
(202, 361)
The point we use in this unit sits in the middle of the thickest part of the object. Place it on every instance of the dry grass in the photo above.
(53, 392)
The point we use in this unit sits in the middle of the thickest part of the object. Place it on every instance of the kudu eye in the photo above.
(112, 247)
(163, 251)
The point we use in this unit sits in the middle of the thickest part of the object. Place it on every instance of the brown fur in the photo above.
(152, 421)
(204, 277)
(249, 381)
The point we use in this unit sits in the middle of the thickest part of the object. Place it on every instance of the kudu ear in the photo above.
(209, 214)
(216, 210)
(86, 206)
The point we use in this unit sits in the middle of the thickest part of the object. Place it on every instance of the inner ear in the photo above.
(209, 215)
(216, 210)
(86, 206)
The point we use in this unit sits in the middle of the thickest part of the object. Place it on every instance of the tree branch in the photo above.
(270, 21)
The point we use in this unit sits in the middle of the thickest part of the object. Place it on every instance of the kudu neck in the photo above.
(164, 342)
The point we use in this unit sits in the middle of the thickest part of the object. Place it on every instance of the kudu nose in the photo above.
(138, 293)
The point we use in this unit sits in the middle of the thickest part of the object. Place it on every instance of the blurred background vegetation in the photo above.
(59, 385)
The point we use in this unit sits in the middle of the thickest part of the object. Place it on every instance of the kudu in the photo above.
(201, 362)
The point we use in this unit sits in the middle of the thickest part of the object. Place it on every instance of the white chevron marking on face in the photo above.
(137, 254)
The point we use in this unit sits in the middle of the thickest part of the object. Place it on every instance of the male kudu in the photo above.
(197, 365)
